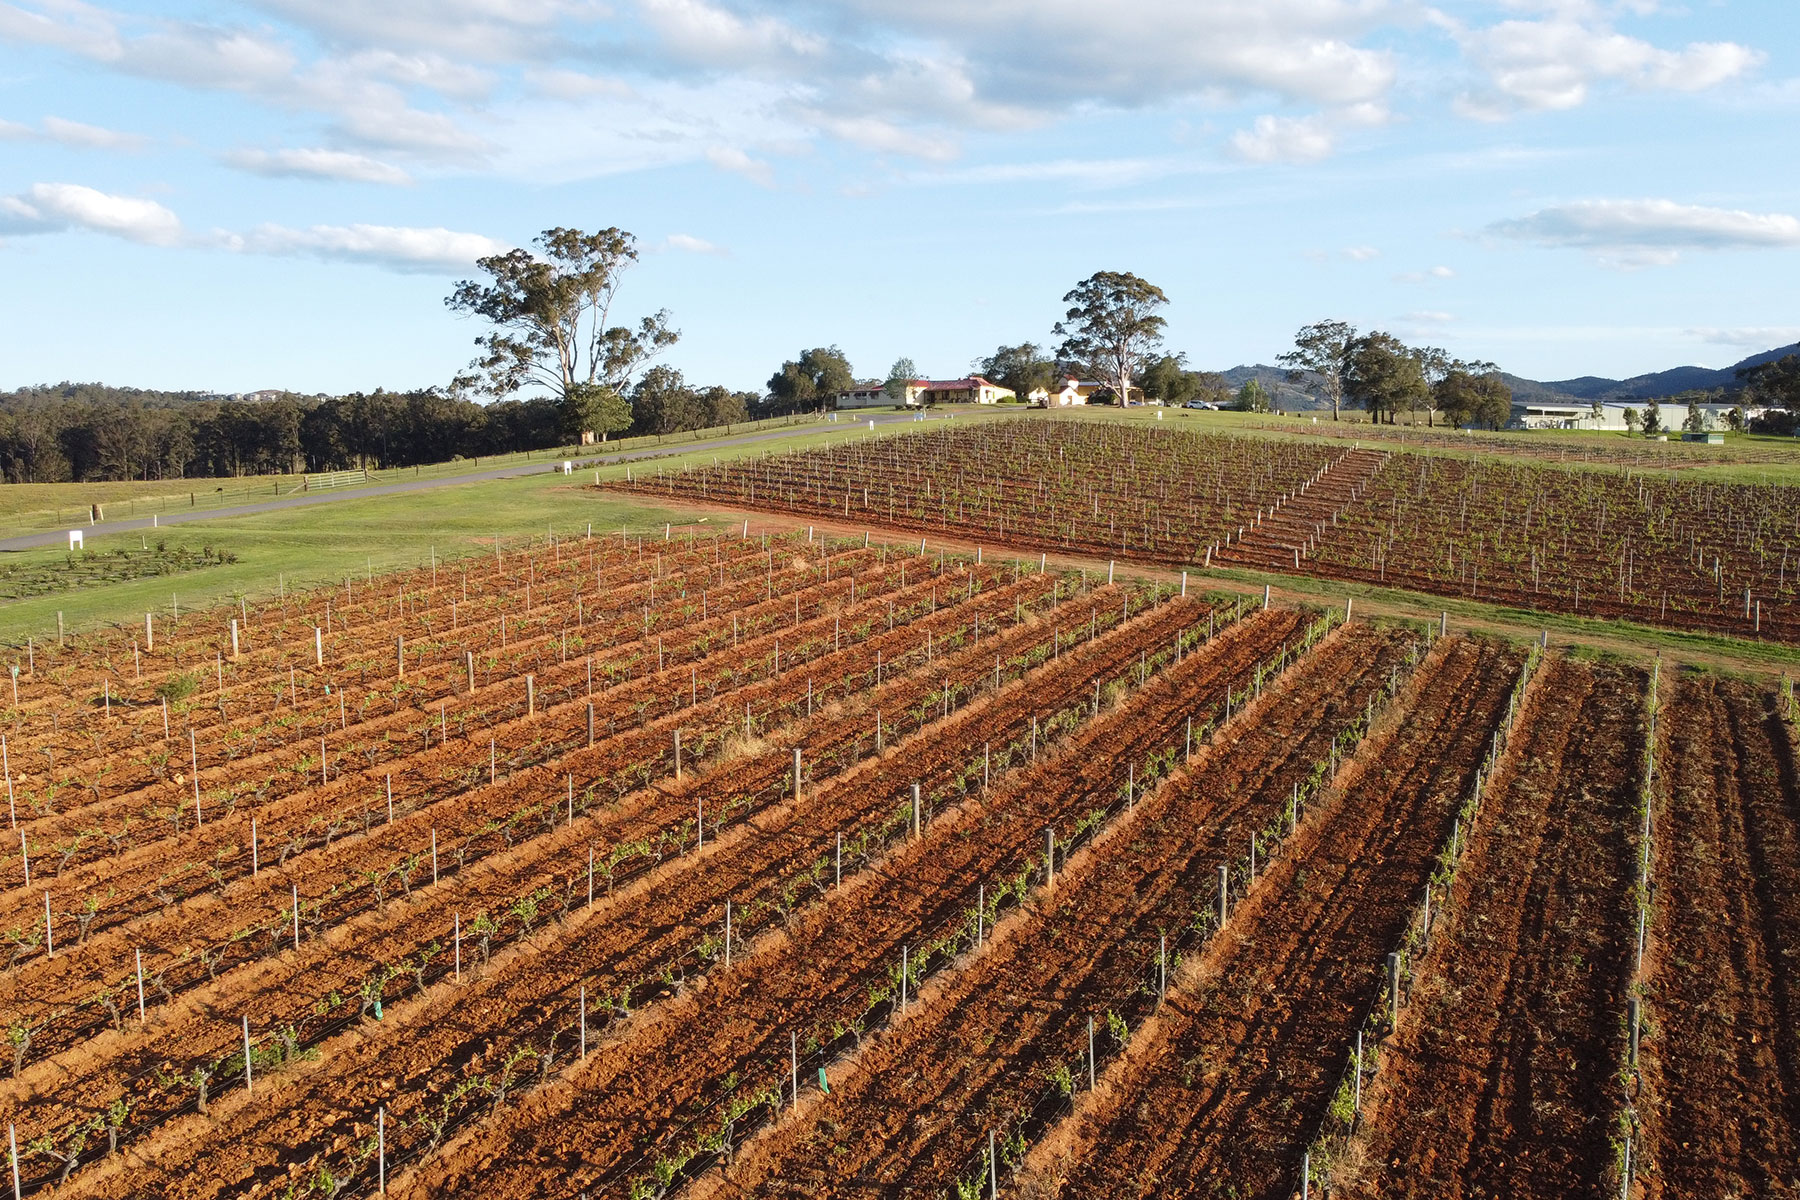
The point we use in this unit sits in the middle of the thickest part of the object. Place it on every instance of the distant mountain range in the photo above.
(1587, 387)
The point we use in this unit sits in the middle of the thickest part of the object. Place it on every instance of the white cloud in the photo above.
(730, 158)
(397, 248)
(91, 137)
(886, 137)
(1430, 316)
(1361, 253)
(1284, 139)
(712, 35)
(1747, 337)
(1425, 276)
(1635, 233)
(304, 163)
(1554, 63)
(74, 134)
(561, 84)
(53, 207)
(691, 244)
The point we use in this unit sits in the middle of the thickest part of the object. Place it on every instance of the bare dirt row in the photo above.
(532, 988)
(618, 734)
(817, 979)
(1245, 1057)
(1498, 1082)
(384, 956)
(999, 1027)
(251, 918)
(1721, 1063)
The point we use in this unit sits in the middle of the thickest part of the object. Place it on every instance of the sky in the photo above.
(280, 193)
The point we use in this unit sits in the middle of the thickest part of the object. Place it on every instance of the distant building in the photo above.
(1579, 414)
(971, 389)
(1073, 392)
(871, 393)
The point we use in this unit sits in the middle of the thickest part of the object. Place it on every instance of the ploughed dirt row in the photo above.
(401, 953)
(398, 954)
(1240, 1065)
(276, 667)
(1721, 1093)
(473, 595)
(191, 943)
(895, 1129)
(626, 1107)
(450, 1038)
(1499, 1081)
(742, 683)
(151, 785)
(425, 1058)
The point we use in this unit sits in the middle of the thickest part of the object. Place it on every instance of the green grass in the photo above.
(34, 507)
(359, 534)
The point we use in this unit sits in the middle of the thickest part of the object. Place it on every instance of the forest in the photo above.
(76, 432)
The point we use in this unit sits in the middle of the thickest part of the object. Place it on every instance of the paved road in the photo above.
(59, 537)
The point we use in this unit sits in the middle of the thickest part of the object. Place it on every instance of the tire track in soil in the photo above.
(1499, 1082)
(1245, 1058)
(283, 991)
(586, 1135)
(893, 1128)
(1721, 1115)
(453, 1030)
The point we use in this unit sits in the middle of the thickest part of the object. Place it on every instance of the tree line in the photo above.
(82, 432)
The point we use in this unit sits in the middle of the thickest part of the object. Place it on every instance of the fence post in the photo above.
(1393, 966)
(917, 805)
(247, 1074)
(381, 1149)
(140, 984)
(12, 1138)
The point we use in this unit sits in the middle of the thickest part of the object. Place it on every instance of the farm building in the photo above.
(972, 389)
(870, 393)
(1580, 414)
(1077, 391)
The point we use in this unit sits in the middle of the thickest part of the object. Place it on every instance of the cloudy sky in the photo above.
(279, 193)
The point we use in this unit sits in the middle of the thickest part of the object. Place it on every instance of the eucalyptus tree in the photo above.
(1112, 327)
(551, 313)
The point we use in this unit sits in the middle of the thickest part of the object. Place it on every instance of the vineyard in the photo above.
(720, 863)
(1613, 543)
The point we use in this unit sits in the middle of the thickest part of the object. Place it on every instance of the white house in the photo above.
(870, 393)
(1077, 391)
(971, 389)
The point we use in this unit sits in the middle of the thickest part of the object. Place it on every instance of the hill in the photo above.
(1658, 384)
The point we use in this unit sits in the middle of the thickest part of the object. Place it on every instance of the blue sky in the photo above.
(279, 193)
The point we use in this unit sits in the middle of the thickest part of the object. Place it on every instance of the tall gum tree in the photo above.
(1111, 327)
(550, 313)
(1323, 351)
